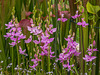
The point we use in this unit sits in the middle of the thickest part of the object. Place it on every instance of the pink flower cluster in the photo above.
(35, 61)
(15, 33)
(90, 51)
(68, 52)
(43, 39)
(34, 29)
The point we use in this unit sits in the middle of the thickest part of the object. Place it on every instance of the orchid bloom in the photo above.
(83, 23)
(29, 39)
(89, 58)
(76, 15)
(62, 19)
(22, 52)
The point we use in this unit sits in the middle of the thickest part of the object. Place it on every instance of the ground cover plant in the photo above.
(49, 37)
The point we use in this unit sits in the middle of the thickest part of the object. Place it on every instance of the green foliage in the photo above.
(92, 9)
(21, 6)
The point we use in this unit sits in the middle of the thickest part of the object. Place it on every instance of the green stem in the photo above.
(12, 62)
(90, 68)
(71, 62)
(75, 70)
(56, 10)
(2, 55)
(56, 69)
(61, 34)
(59, 38)
(83, 52)
(98, 47)
(49, 6)
(49, 60)
(85, 37)
(42, 65)
(18, 59)
(81, 48)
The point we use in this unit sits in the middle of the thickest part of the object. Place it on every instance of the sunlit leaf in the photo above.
(92, 9)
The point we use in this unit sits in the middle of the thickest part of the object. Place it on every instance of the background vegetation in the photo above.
(91, 15)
